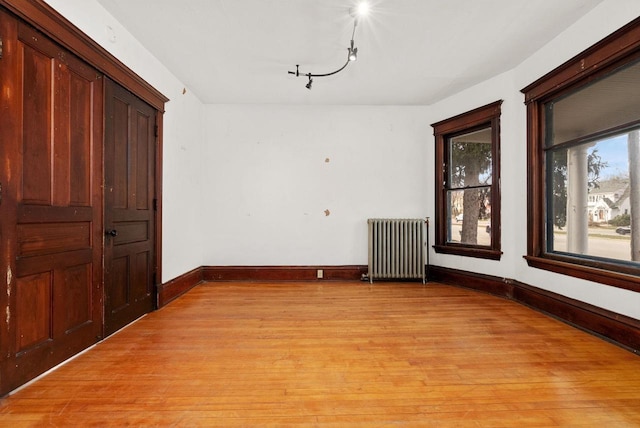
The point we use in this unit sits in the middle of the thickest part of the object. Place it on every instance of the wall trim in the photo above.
(615, 328)
(282, 273)
(173, 289)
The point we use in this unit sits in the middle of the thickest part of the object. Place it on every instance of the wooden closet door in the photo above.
(51, 204)
(130, 215)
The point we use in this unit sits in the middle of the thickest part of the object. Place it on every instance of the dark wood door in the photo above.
(51, 207)
(130, 142)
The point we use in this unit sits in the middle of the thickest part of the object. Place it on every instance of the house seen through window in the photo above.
(593, 159)
(590, 197)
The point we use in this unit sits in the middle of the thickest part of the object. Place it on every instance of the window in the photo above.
(584, 164)
(467, 183)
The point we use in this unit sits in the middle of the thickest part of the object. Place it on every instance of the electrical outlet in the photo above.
(320, 274)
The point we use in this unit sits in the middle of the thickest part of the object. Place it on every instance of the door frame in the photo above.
(58, 29)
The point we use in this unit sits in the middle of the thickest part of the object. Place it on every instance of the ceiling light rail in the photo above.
(352, 52)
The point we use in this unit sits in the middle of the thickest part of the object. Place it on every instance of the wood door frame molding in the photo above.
(46, 19)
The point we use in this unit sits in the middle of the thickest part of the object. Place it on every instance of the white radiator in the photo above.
(398, 248)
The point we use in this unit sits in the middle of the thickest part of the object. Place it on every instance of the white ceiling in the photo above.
(411, 52)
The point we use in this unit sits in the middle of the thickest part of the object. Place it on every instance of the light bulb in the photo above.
(360, 10)
(363, 8)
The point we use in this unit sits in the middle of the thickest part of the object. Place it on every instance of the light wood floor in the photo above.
(339, 354)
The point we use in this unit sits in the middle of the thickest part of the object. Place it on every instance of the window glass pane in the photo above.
(591, 197)
(469, 214)
(609, 103)
(584, 164)
(470, 159)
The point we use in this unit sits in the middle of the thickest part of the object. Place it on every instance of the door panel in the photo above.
(33, 311)
(36, 111)
(72, 288)
(52, 202)
(129, 213)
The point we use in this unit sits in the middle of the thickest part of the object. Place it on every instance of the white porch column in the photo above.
(634, 198)
(577, 200)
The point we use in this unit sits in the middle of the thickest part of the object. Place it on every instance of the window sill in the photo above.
(477, 252)
(569, 266)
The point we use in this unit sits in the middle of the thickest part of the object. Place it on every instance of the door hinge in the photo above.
(155, 204)
(155, 130)
(0, 47)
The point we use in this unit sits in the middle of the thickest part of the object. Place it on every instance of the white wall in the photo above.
(182, 243)
(272, 171)
(261, 173)
(268, 182)
(602, 21)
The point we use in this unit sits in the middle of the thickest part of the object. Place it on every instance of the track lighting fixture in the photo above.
(352, 52)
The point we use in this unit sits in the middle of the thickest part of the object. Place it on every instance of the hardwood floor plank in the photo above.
(339, 354)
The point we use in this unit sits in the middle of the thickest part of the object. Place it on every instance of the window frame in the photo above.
(485, 116)
(620, 48)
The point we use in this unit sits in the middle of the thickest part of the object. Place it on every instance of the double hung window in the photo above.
(467, 183)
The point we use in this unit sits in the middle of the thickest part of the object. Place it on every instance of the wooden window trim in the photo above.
(487, 115)
(621, 47)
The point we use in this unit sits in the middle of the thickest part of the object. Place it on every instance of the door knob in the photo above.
(111, 232)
